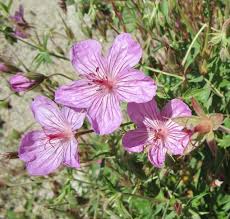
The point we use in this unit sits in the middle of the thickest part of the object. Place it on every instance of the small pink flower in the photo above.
(45, 150)
(156, 130)
(106, 81)
(20, 83)
(21, 25)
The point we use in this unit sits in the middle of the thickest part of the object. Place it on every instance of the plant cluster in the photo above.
(144, 129)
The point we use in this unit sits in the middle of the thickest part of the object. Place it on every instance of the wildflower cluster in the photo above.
(105, 82)
(141, 130)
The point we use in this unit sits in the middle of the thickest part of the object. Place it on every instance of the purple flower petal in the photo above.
(105, 114)
(79, 94)
(146, 114)
(135, 140)
(19, 16)
(134, 86)
(156, 155)
(86, 57)
(175, 108)
(71, 157)
(47, 113)
(74, 118)
(124, 53)
(41, 156)
(164, 134)
(177, 139)
(106, 81)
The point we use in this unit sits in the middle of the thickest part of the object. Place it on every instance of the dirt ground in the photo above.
(17, 189)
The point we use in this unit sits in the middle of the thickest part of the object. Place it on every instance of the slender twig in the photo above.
(191, 45)
(216, 91)
(60, 74)
(119, 15)
(83, 132)
(164, 73)
(37, 47)
(224, 129)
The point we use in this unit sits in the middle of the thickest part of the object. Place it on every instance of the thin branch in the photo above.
(191, 45)
(224, 129)
(165, 73)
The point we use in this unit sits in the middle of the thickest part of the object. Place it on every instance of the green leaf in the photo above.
(224, 142)
(194, 92)
(165, 9)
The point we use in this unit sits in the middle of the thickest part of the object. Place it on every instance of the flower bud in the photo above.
(20, 24)
(204, 127)
(20, 82)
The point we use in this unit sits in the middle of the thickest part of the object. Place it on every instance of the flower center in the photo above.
(161, 133)
(105, 84)
(61, 135)
(99, 78)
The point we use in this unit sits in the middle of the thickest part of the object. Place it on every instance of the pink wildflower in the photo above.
(20, 83)
(156, 131)
(106, 81)
(45, 150)
(21, 25)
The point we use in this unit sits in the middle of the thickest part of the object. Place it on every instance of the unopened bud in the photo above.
(20, 82)
(204, 127)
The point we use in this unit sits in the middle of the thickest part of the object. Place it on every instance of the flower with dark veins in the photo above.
(156, 131)
(106, 81)
(45, 150)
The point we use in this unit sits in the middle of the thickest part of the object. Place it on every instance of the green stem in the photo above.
(165, 73)
(36, 47)
(60, 74)
(191, 45)
(215, 90)
(91, 130)
(40, 48)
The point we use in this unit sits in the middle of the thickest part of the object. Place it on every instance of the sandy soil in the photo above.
(16, 187)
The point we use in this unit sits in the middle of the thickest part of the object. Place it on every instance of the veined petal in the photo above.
(157, 155)
(105, 114)
(135, 140)
(79, 94)
(144, 114)
(41, 156)
(74, 117)
(42, 100)
(177, 139)
(86, 57)
(124, 53)
(134, 86)
(47, 113)
(71, 157)
(175, 108)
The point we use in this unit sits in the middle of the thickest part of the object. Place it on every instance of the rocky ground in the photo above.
(19, 193)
